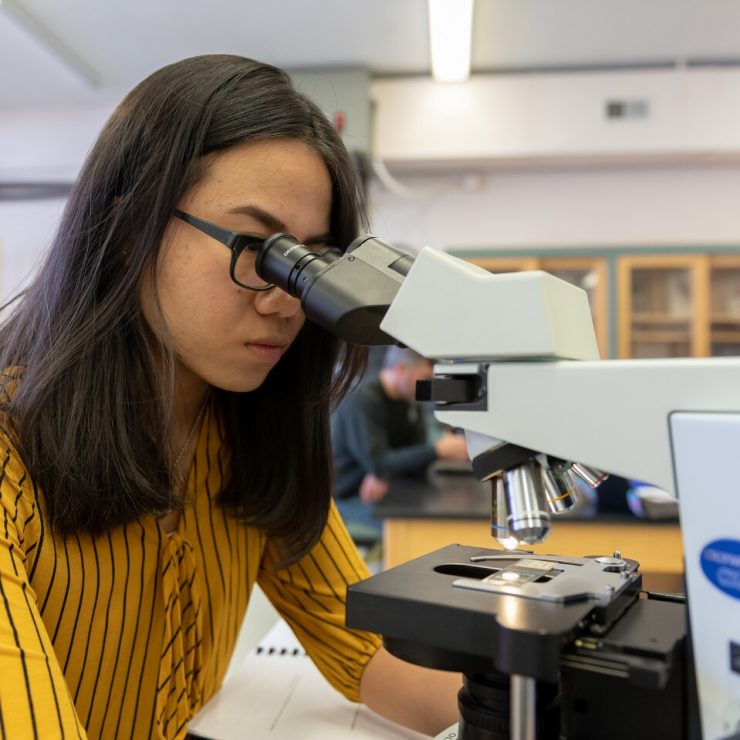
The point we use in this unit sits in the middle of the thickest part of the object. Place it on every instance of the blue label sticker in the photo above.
(720, 561)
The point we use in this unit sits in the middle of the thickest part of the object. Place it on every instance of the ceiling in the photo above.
(81, 51)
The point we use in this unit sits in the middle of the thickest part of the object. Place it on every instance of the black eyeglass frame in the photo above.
(236, 241)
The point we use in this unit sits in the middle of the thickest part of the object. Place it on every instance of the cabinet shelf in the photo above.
(663, 337)
(725, 337)
(660, 318)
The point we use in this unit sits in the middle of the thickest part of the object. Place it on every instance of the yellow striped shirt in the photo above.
(128, 634)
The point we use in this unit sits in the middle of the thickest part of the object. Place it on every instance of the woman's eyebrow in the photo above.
(273, 223)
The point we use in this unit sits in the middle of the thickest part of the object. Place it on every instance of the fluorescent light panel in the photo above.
(450, 35)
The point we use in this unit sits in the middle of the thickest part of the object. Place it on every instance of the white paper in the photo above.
(278, 693)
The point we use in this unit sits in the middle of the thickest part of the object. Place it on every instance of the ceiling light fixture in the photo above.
(450, 36)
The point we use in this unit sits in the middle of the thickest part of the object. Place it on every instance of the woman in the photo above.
(165, 422)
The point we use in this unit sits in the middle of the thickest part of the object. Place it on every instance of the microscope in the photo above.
(550, 647)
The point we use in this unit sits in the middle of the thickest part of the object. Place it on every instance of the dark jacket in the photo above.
(372, 433)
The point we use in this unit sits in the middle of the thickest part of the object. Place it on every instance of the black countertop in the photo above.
(459, 496)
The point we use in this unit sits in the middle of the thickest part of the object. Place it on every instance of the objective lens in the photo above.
(561, 492)
(590, 476)
(525, 498)
(500, 515)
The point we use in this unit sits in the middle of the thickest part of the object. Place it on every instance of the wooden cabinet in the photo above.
(724, 305)
(679, 305)
(662, 303)
(589, 273)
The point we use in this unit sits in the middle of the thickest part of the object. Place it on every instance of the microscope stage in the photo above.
(466, 608)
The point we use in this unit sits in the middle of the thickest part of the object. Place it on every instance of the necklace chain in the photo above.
(178, 458)
(188, 439)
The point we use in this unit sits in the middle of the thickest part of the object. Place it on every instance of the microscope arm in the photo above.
(612, 414)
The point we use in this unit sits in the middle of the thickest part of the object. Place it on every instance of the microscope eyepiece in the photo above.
(284, 261)
(345, 292)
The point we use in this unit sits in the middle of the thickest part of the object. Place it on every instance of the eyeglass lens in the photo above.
(245, 270)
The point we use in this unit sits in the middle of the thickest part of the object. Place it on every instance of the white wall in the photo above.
(550, 208)
(26, 228)
(549, 166)
(38, 145)
(559, 116)
(48, 142)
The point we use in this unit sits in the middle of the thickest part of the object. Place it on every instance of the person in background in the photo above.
(164, 422)
(380, 432)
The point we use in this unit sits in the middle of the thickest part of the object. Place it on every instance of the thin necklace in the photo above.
(176, 465)
(188, 439)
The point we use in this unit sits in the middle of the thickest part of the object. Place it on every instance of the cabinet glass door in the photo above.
(724, 306)
(661, 306)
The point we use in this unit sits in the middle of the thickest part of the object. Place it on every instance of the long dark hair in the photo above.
(87, 402)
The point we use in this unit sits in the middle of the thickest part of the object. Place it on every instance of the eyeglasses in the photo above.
(243, 248)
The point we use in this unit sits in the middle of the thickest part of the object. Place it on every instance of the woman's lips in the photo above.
(266, 352)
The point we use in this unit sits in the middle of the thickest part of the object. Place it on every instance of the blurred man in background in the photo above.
(380, 431)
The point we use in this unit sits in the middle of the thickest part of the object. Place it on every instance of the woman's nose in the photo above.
(277, 301)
